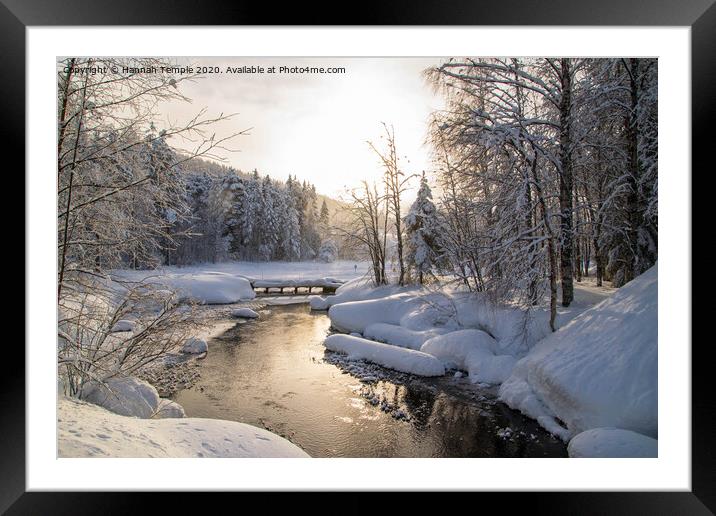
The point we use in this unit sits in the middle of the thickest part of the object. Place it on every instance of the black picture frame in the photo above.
(700, 15)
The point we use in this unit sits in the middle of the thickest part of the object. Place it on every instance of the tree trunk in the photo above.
(552, 284)
(65, 233)
(599, 263)
(566, 186)
(62, 126)
(634, 213)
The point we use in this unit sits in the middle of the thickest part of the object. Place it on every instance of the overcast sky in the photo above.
(316, 126)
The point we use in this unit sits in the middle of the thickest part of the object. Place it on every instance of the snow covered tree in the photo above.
(324, 219)
(263, 238)
(121, 202)
(544, 165)
(291, 231)
(328, 252)
(422, 232)
(310, 235)
(108, 162)
(630, 211)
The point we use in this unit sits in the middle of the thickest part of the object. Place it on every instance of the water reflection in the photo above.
(275, 373)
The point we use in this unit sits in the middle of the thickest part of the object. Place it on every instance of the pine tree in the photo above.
(421, 224)
(233, 204)
(324, 218)
(268, 225)
(290, 229)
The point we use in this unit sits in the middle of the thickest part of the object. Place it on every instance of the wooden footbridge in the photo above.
(268, 286)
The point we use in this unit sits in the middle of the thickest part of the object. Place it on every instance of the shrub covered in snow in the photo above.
(99, 335)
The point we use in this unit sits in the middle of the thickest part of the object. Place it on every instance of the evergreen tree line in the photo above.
(239, 216)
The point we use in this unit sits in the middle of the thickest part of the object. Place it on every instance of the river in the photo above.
(275, 373)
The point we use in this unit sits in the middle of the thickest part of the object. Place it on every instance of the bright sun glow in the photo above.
(316, 126)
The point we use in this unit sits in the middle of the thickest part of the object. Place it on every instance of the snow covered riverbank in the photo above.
(231, 282)
(597, 371)
(600, 370)
(86, 430)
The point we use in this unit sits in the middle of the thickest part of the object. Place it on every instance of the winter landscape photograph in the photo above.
(330, 257)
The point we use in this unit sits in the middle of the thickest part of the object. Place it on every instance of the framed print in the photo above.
(342, 258)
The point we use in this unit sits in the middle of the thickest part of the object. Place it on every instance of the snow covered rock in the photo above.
(319, 303)
(392, 357)
(169, 409)
(356, 315)
(599, 370)
(125, 396)
(86, 430)
(210, 287)
(124, 325)
(471, 351)
(244, 312)
(454, 347)
(485, 367)
(357, 289)
(612, 443)
(195, 346)
(399, 336)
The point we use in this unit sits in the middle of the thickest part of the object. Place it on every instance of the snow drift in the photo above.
(209, 287)
(358, 289)
(472, 351)
(132, 397)
(412, 310)
(515, 331)
(612, 443)
(86, 430)
(600, 370)
(392, 357)
(399, 336)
